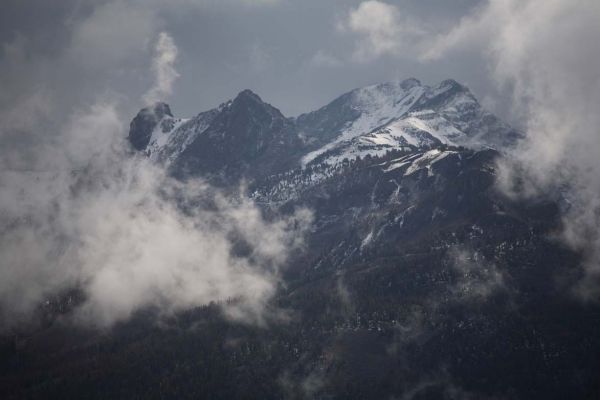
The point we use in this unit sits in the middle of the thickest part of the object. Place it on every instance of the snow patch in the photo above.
(377, 104)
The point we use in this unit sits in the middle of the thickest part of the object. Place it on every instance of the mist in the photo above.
(79, 210)
(548, 55)
(545, 57)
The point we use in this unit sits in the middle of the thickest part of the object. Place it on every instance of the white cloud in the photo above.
(77, 210)
(547, 52)
(473, 30)
(88, 215)
(477, 279)
(163, 66)
(381, 30)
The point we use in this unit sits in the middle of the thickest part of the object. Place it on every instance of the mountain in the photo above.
(247, 135)
(369, 121)
(378, 118)
(241, 135)
(148, 124)
(419, 279)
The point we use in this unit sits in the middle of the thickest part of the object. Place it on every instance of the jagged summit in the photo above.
(144, 123)
(410, 83)
(391, 87)
(244, 137)
(398, 114)
(248, 101)
(371, 120)
(165, 138)
(248, 94)
(451, 83)
(161, 109)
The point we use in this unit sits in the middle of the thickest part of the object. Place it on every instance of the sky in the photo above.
(297, 55)
(73, 73)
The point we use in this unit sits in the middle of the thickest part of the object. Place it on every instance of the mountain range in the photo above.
(365, 122)
(419, 278)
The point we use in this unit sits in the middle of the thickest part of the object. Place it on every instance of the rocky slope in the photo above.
(370, 121)
(378, 118)
(419, 279)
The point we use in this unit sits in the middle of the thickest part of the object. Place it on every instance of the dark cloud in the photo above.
(547, 56)
(78, 211)
(58, 58)
(225, 46)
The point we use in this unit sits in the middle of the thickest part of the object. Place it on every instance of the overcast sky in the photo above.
(74, 72)
(297, 55)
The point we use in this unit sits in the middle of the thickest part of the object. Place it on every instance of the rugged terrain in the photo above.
(419, 278)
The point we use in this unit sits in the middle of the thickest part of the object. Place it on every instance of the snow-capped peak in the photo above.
(368, 121)
(393, 115)
(375, 106)
(145, 122)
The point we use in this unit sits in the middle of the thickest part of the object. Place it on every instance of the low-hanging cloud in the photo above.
(477, 279)
(88, 215)
(79, 211)
(381, 30)
(163, 66)
(548, 54)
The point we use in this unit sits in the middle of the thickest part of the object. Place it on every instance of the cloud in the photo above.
(547, 54)
(323, 59)
(87, 215)
(306, 386)
(114, 34)
(476, 278)
(84, 48)
(381, 30)
(77, 210)
(23, 114)
(474, 30)
(163, 66)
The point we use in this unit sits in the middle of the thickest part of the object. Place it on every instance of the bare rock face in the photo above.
(248, 138)
(417, 279)
(144, 123)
